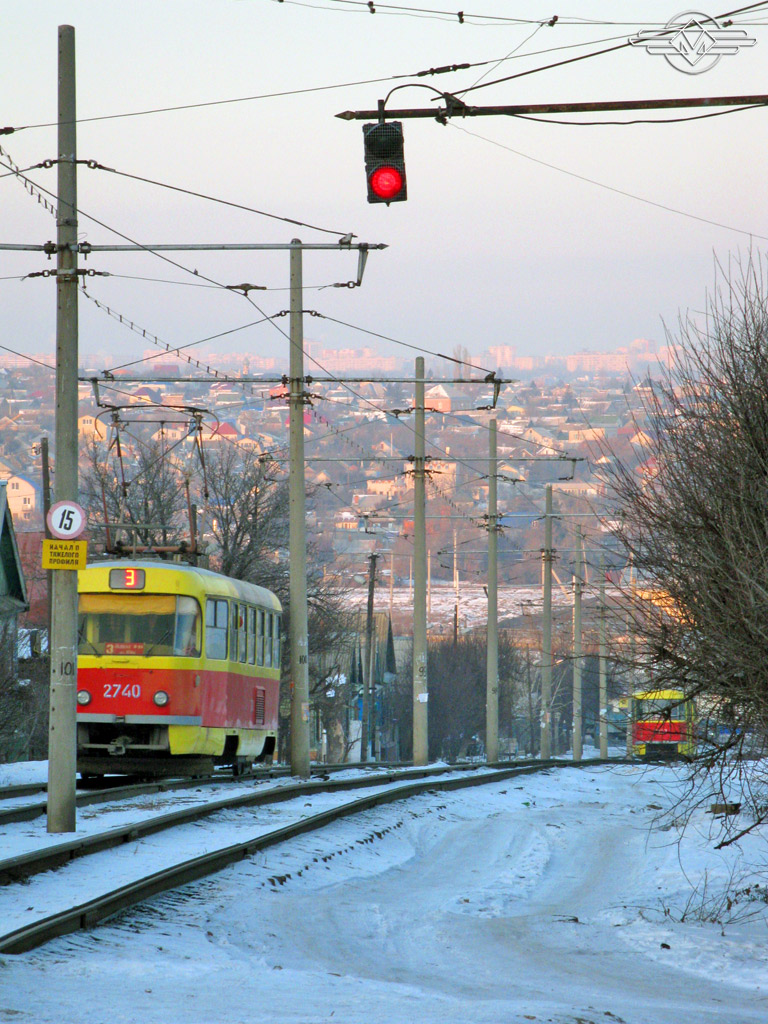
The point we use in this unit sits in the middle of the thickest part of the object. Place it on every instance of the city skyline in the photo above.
(153, 362)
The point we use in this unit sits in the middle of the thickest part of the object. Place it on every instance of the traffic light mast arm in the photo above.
(456, 107)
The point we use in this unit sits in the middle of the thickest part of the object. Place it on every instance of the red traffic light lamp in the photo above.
(385, 162)
(386, 183)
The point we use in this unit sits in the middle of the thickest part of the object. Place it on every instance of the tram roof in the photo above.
(669, 694)
(213, 583)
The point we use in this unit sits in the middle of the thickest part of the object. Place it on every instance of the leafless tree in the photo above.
(247, 511)
(696, 525)
(457, 695)
(144, 485)
(23, 702)
(336, 680)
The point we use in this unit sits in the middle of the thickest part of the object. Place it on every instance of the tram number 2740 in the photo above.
(122, 690)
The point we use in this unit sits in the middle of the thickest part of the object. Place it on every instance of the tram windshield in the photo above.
(139, 625)
(671, 708)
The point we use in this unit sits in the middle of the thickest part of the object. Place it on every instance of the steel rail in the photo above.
(28, 812)
(32, 863)
(23, 789)
(87, 914)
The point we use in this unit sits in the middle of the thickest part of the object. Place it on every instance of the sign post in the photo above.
(62, 641)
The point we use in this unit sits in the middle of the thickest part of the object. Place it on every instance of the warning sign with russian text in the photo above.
(64, 554)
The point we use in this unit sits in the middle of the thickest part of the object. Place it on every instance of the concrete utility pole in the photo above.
(603, 684)
(420, 689)
(492, 664)
(455, 587)
(546, 631)
(578, 586)
(297, 529)
(370, 656)
(62, 644)
(46, 468)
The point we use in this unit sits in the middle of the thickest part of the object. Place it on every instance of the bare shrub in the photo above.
(696, 529)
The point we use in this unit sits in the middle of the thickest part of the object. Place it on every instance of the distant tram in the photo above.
(662, 724)
(178, 669)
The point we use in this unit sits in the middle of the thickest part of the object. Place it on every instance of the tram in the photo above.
(178, 669)
(663, 724)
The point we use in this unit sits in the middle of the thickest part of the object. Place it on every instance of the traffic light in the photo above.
(385, 162)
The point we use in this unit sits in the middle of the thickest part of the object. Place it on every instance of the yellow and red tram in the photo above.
(178, 668)
(663, 724)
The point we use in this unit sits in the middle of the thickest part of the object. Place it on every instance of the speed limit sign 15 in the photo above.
(66, 520)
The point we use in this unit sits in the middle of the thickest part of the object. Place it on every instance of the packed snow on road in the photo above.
(564, 897)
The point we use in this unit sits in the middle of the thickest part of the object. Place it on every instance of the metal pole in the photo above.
(459, 109)
(368, 682)
(531, 722)
(297, 527)
(86, 247)
(492, 665)
(372, 700)
(578, 585)
(546, 630)
(62, 646)
(631, 622)
(603, 683)
(420, 689)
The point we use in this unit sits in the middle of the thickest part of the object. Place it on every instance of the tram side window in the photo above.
(241, 613)
(268, 639)
(251, 636)
(276, 641)
(216, 615)
(260, 637)
(233, 632)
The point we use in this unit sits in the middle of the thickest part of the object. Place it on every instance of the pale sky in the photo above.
(491, 248)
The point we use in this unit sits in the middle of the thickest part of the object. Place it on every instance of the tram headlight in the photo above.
(83, 698)
(161, 698)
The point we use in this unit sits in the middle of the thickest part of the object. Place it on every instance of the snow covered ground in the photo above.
(473, 602)
(547, 899)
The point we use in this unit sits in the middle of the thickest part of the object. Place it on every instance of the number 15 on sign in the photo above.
(66, 520)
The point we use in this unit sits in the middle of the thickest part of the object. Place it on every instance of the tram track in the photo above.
(88, 913)
(24, 789)
(28, 812)
(23, 865)
(120, 790)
